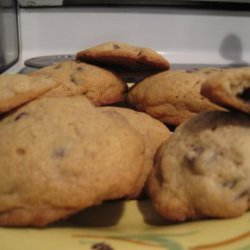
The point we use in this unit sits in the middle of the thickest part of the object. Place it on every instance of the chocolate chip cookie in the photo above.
(132, 62)
(203, 170)
(61, 155)
(230, 89)
(98, 85)
(173, 96)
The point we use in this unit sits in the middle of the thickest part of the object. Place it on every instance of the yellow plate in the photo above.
(129, 225)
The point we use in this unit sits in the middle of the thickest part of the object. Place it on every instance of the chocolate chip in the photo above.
(244, 194)
(139, 53)
(214, 127)
(58, 153)
(79, 68)
(21, 115)
(245, 95)
(192, 155)
(200, 160)
(101, 246)
(21, 151)
(115, 46)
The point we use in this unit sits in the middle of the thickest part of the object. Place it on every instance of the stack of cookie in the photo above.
(66, 145)
(203, 170)
(61, 152)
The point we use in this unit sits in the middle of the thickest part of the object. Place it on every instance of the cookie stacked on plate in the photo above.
(203, 170)
(61, 152)
(75, 134)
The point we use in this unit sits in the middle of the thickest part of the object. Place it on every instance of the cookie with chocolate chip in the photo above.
(203, 170)
(61, 155)
(230, 89)
(98, 85)
(153, 132)
(173, 96)
(17, 89)
(132, 62)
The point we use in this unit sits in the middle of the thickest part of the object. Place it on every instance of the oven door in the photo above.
(9, 46)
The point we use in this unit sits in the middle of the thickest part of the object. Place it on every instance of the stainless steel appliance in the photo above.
(9, 43)
(211, 33)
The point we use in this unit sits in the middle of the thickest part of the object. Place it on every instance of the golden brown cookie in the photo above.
(172, 96)
(17, 89)
(132, 62)
(230, 89)
(60, 155)
(203, 170)
(153, 132)
(99, 85)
